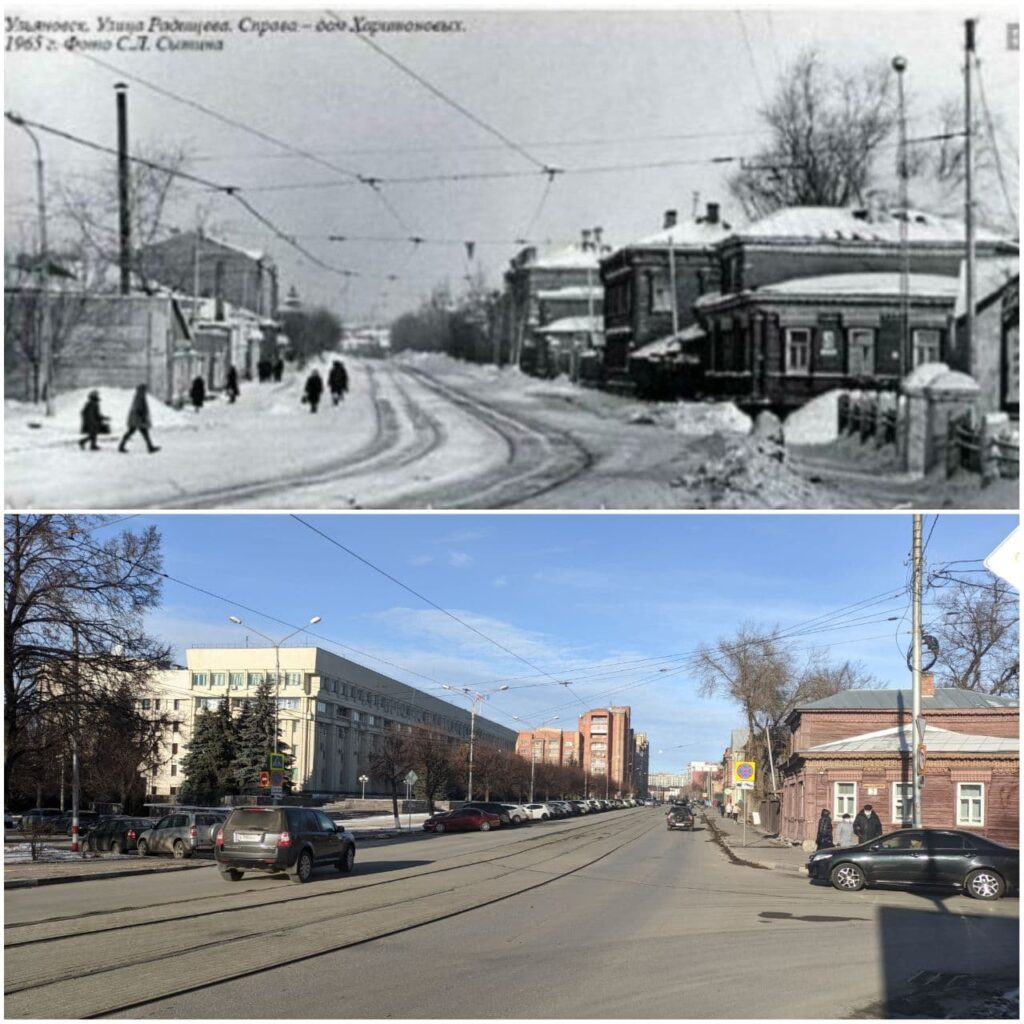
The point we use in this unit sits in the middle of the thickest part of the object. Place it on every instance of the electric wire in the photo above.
(995, 144)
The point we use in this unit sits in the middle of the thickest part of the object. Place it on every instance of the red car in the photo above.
(465, 819)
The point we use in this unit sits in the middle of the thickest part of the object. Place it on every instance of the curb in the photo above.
(31, 883)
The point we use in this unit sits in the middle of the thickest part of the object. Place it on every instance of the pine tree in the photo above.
(256, 729)
(211, 754)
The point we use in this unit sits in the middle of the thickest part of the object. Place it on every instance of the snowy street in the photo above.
(427, 431)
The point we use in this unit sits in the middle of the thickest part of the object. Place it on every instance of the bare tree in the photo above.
(73, 621)
(826, 129)
(979, 635)
(433, 758)
(390, 762)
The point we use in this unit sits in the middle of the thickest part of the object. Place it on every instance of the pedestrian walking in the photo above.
(138, 420)
(728, 809)
(844, 832)
(94, 422)
(866, 825)
(824, 836)
(198, 393)
(314, 389)
(279, 369)
(337, 380)
(721, 809)
(232, 385)
(263, 370)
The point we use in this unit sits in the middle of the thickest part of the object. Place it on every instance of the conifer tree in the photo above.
(255, 730)
(211, 755)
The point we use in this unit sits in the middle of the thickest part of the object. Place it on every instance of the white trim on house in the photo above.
(839, 810)
(970, 821)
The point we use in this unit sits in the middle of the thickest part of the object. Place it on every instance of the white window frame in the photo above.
(200, 679)
(839, 808)
(254, 679)
(969, 822)
(917, 345)
(218, 679)
(804, 346)
(855, 343)
(902, 798)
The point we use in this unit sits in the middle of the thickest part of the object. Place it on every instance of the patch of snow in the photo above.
(696, 419)
(816, 422)
(21, 853)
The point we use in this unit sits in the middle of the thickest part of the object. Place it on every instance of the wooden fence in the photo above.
(967, 448)
(866, 417)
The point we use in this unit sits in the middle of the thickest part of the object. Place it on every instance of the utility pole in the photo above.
(75, 780)
(916, 741)
(672, 284)
(899, 65)
(125, 231)
(969, 188)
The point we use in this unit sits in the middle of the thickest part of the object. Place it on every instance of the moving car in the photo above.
(463, 819)
(294, 840)
(680, 816)
(117, 833)
(947, 858)
(182, 833)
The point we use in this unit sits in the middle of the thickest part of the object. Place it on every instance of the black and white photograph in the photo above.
(693, 259)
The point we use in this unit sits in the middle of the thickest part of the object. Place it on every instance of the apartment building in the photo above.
(333, 713)
(607, 742)
(550, 746)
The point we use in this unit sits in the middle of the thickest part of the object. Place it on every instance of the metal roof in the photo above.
(936, 740)
(944, 697)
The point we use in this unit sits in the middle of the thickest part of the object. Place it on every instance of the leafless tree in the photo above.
(73, 622)
(979, 634)
(390, 762)
(826, 129)
(433, 758)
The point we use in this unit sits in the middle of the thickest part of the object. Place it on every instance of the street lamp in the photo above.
(277, 662)
(474, 698)
(364, 779)
(45, 342)
(533, 751)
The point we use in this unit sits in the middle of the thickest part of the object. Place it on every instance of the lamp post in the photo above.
(533, 752)
(364, 779)
(474, 698)
(45, 341)
(277, 662)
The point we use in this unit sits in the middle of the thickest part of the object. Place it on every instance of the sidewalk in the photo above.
(761, 850)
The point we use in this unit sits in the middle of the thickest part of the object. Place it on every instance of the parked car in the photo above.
(542, 812)
(117, 833)
(946, 858)
(518, 813)
(40, 819)
(12, 820)
(501, 810)
(86, 819)
(462, 819)
(295, 840)
(182, 833)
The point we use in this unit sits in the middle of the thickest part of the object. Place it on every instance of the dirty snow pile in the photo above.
(697, 419)
(21, 853)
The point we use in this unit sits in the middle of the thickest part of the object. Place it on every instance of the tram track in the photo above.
(84, 970)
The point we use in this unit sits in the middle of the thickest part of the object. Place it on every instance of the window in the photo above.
(174, 749)
(845, 799)
(208, 703)
(355, 716)
(156, 704)
(660, 293)
(175, 725)
(902, 803)
(146, 703)
(293, 678)
(798, 349)
(321, 708)
(288, 703)
(926, 346)
(219, 678)
(174, 768)
(255, 678)
(200, 679)
(174, 790)
(177, 707)
(862, 351)
(237, 680)
(970, 800)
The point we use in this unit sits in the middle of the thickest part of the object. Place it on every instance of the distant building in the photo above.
(550, 746)
(641, 763)
(608, 748)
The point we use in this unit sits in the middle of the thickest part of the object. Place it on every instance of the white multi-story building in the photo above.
(332, 712)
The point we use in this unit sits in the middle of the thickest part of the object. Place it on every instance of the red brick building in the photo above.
(608, 748)
(550, 746)
(854, 748)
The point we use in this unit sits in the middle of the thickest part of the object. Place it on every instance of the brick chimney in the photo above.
(586, 239)
(711, 217)
(670, 218)
(598, 231)
(927, 684)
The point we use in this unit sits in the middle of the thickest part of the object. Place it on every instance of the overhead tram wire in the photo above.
(424, 598)
(347, 172)
(750, 54)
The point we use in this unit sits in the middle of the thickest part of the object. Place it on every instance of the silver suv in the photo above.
(182, 833)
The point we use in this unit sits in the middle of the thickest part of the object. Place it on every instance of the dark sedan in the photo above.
(118, 834)
(464, 819)
(945, 858)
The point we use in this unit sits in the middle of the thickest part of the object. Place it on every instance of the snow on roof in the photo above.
(944, 697)
(843, 224)
(253, 254)
(880, 284)
(668, 346)
(577, 291)
(689, 232)
(573, 325)
(571, 257)
(991, 275)
(936, 740)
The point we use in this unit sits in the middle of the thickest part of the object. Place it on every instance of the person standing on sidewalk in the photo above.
(866, 825)
(824, 836)
(844, 832)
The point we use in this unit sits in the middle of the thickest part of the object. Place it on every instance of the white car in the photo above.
(517, 812)
(540, 812)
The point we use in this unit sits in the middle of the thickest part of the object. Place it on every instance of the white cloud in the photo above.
(500, 581)
(421, 559)
(459, 559)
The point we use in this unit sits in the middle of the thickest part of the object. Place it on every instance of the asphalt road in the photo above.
(610, 916)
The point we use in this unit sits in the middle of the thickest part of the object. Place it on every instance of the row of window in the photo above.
(970, 802)
(926, 348)
(243, 680)
(153, 703)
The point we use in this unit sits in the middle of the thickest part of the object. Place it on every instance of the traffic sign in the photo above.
(744, 771)
(264, 780)
(411, 779)
(276, 779)
(744, 785)
(275, 761)
(277, 791)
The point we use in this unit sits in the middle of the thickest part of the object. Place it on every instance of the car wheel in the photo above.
(181, 851)
(439, 828)
(231, 874)
(115, 847)
(303, 867)
(984, 884)
(348, 859)
(485, 826)
(143, 848)
(544, 817)
(848, 877)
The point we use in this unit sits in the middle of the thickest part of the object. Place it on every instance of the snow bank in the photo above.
(21, 853)
(817, 422)
(696, 419)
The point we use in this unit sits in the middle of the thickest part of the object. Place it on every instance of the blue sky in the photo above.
(574, 595)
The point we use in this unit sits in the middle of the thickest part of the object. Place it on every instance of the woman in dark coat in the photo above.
(94, 422)
(138, 419)
(314, 389)
(337, 379)
(232, 384)
(198, 393)
(824, 836)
